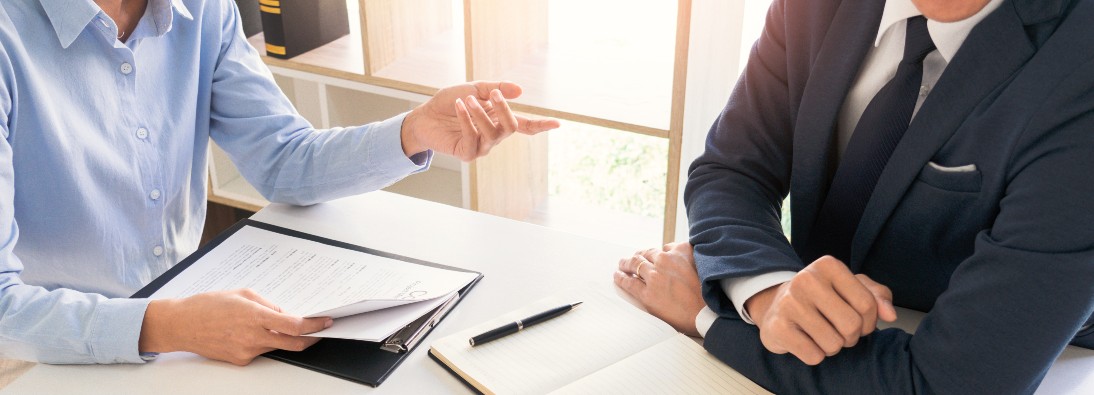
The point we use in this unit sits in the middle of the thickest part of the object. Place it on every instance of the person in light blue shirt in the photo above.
(106, 111)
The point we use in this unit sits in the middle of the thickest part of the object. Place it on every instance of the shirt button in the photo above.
(126, 68)
(157, 251)
(155, 195)
(924, 90)
(142, 133)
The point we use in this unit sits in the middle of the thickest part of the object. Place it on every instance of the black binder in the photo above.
(293, 27)
(250, 17)
(354, 360)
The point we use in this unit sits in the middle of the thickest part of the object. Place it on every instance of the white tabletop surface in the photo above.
(521, 263)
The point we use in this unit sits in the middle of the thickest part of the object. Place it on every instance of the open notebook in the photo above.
(603, 346)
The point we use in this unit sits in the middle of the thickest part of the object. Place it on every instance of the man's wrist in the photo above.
(155, 337)
(740, 289)
(756, 306)
(411, 145)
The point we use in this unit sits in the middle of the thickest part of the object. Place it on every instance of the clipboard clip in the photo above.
(406, 338)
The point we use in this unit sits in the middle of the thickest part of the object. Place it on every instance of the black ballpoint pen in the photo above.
(518, 325)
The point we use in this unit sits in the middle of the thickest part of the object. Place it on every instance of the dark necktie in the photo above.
(874, 139)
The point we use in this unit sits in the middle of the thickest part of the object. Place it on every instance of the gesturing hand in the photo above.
(666, 284)
(823, 309)
(467, 120)
(233, 326)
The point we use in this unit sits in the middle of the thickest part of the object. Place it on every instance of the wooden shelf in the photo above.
(436, 63)
(342, 57)
(416, 42)
(583, 66)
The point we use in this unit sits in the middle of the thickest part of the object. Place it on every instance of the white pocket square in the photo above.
(955, 169)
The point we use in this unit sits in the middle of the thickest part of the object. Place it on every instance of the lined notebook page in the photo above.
(545, 357)
(674, 366)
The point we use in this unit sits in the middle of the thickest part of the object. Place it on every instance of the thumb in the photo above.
(882, 295)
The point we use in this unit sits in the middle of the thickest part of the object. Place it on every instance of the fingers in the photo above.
(792, 340)
(294, 326)
(853, 292)
(494, 96)
(636, 265)
(650, 254)
(535, 126)
(846, 321)
(802, 346)
(823, 309)
(487, 132)
(508, 89)
(883, 295)
(468, 148)
(822, 332)
(254, 296)
(506, 120)
(632, 285)
(291, 343)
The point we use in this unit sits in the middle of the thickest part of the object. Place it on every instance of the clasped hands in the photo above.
(822, 310)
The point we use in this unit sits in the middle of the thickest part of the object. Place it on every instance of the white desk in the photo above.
(522, 263)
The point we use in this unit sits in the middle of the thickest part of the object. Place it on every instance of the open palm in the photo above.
(467, 120)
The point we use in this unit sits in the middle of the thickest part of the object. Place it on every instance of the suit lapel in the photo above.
(994, 50)
(841, 54)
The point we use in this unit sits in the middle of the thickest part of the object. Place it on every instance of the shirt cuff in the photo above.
(390, 149)
(705, 320)
(116, 330)
(740, 289)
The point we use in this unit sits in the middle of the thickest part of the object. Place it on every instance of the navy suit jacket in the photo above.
(1002, 257)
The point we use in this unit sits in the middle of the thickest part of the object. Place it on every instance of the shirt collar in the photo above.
(947, 37)
(69, 18)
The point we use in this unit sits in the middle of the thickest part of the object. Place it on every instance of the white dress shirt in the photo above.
(877, 69)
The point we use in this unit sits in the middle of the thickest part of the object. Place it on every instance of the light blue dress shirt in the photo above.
(103, 161)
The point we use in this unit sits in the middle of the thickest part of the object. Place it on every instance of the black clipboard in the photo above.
(354, 360)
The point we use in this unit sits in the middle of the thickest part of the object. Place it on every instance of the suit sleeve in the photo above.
(735, 189)
(1010, 308)
(277, 150)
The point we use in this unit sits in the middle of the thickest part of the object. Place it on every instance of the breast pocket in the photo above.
(964, 178)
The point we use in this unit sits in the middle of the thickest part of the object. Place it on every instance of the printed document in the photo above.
(311, 279)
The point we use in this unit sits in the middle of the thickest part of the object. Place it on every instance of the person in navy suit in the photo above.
(938, 155)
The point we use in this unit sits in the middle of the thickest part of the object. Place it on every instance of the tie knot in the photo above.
(918, 43)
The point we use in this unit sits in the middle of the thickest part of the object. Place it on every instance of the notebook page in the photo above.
(674, 366)
(601, 331)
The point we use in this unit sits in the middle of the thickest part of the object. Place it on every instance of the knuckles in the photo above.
(851, 330)
(811, 359)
